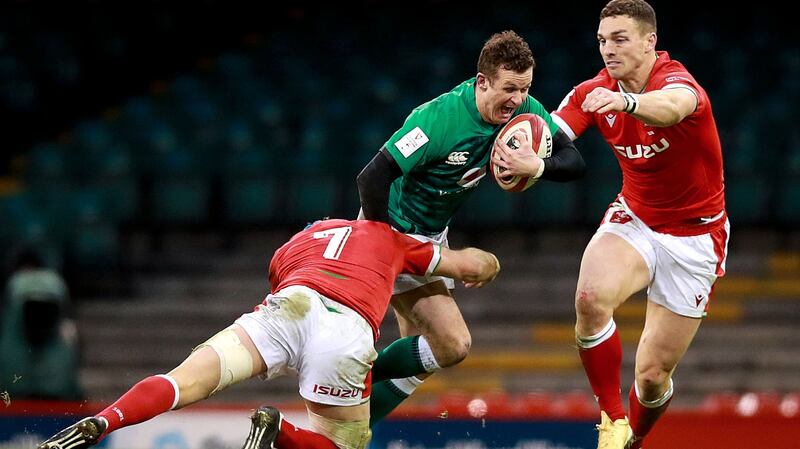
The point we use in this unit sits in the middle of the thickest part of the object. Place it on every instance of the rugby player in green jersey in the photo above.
(418, 180)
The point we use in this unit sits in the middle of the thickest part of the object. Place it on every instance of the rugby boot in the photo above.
(614, 434)
(264, 428)
(84, 433)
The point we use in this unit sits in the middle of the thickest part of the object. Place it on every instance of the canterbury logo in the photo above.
(457, 158)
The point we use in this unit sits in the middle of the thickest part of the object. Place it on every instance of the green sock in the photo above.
(385, 397)
(399, 360)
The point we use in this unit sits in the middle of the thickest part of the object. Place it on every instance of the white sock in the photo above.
(598, 338)
(407, 385)
(175, 387)
(426, 355)
(657, 402)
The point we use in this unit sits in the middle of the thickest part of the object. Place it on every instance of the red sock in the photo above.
(291, 437)
(643, 418)
(147, 399)
(603, 364)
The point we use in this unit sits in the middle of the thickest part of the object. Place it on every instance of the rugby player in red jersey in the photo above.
(330, 288)
(666, 231)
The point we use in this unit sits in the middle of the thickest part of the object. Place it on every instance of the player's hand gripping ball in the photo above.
(538, 133)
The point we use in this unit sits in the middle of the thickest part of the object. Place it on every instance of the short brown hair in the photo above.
(505, 50)
(638, 10)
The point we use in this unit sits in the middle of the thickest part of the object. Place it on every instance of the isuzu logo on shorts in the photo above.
(336, 392)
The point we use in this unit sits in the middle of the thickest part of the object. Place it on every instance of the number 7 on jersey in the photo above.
(338, 239)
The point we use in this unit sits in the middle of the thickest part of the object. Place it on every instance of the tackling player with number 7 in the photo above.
(330, 288)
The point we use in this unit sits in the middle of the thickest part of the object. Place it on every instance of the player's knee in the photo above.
(344, 434)
(191, 390)
(652, 379)
(590, 300)
(454, 351)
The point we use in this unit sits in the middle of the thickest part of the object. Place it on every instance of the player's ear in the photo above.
(481, 81)
(651, 42)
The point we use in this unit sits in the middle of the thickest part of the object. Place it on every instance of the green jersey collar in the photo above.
(469, 99)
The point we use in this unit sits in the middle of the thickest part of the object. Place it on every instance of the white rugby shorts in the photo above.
(682, 269)
(406, 282)
(329, 346)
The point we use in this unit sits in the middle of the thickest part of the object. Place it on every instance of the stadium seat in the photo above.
(180, 200)
(747, 199)
(200, 126)
(138, 116)
(238, 135)
(351, 202)
(314, 153)
(312, 197)
(745, 155)
(112, 172)
(599, 190)
(181, 188)
(92, 139)
(250, 200)
(25, 223)
(787, 208)
(249, 186)
(47, 167)
(551, 203)
(598, 155)
(95, 245)
(369, 139)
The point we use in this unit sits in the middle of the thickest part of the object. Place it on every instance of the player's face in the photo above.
(501, 95)
(623, 45)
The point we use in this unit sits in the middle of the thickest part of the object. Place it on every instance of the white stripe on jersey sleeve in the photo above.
(682, 86)
(564, 127)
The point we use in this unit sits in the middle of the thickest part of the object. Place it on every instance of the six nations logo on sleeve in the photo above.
(411, 142)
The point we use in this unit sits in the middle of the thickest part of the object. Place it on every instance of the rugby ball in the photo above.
(541, 141)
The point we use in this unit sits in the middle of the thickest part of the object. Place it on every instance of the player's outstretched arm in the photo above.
(472, 265)
(659, 108)
(665, 107)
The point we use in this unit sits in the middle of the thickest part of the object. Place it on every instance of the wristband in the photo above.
(631, 103)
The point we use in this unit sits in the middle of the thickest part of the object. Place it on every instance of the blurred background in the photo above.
(155, 155)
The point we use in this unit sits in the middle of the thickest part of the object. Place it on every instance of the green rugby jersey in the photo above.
(443, 149)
